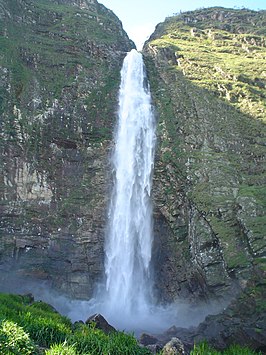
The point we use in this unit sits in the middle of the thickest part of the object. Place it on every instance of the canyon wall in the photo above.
(59, 65)
(207, 74)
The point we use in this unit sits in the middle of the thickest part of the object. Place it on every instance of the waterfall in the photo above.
(129, 233)
(125, 298)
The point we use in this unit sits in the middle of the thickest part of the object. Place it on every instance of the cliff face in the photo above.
(207, 75)
(59, 67)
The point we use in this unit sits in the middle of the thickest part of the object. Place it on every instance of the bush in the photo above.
(203, 349)
(89, 340)
(44, 325)
(61, 349)
(14, 340)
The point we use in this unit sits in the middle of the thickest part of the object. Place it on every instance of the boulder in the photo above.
(154, 348)
(174, 347)
(147, 339)
(100, 323)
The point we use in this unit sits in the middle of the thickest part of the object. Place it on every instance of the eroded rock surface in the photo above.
(59, 72)
(209, 183)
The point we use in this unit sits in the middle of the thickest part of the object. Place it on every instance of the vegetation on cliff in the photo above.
(222, 50)
(207, 75)
(59, 68)
(49, 50)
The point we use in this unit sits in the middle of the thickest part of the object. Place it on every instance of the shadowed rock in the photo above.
(147, 339)
(100, 323)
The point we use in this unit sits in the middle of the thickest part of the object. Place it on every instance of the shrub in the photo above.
(14, 340)
(61, 349)
(203, 349)
(40, 323)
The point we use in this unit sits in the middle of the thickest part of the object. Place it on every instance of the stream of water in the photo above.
(129, 233)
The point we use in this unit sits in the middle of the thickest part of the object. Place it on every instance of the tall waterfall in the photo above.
(125, 299)
(129, 234)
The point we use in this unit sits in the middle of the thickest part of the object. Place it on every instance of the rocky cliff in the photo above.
(59, 67)
(207, 75)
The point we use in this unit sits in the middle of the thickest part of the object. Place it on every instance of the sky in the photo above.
(139, 17)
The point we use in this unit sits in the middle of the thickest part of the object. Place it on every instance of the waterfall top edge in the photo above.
(134, 51)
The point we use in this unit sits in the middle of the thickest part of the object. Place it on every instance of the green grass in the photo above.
(205, 349)
(229, 65)
(28, 327)
(61, 349)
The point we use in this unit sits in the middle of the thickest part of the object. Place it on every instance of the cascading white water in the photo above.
(129, 234)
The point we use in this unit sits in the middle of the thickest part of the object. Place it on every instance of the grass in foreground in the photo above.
(28, 327)
(204, 349)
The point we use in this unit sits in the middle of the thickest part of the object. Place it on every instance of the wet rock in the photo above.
(223, 330)
(147, 339)
(154, 348)
(100, 323)
(172, 331)
(174, 347)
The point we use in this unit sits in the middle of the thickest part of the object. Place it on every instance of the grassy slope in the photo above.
(224, 58)
(45, 328)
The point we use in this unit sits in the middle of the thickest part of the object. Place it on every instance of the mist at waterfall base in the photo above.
(159, 318)
(125, 297)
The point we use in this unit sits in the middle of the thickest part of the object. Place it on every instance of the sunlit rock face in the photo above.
(80, 3)
(206, 76)
(209, 174)
(58, 110)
